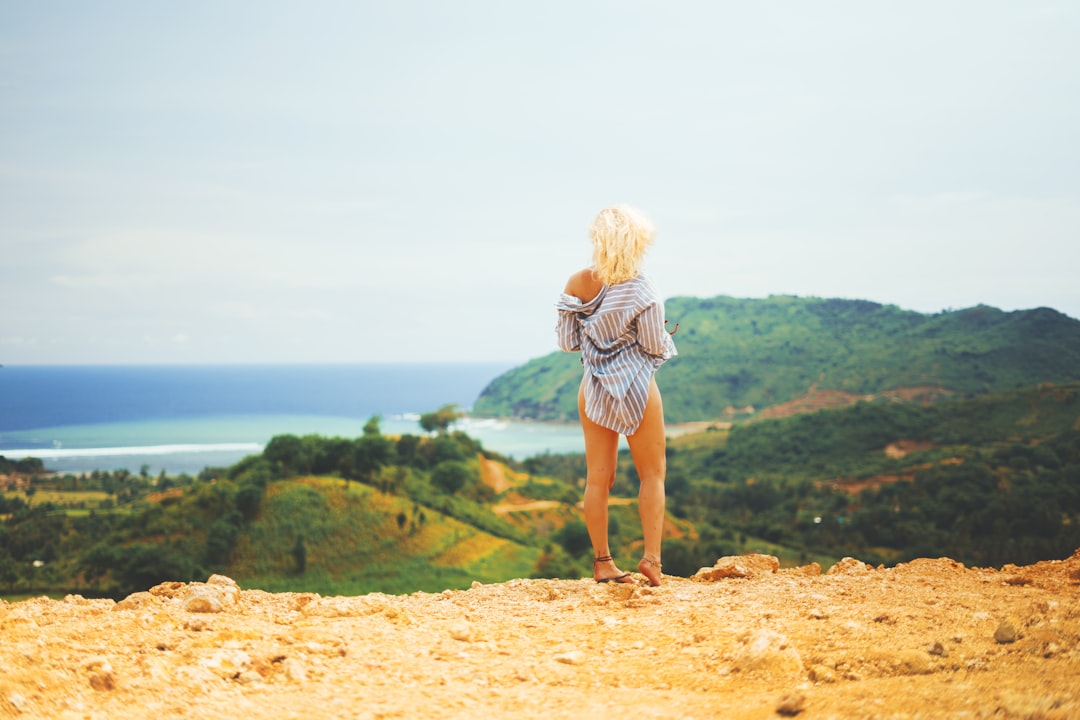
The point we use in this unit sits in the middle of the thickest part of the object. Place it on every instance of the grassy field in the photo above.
(63, 498)
(357, 539)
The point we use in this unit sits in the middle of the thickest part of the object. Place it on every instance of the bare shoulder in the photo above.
(584, 285)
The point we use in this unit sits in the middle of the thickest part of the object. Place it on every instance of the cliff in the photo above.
(929, 638)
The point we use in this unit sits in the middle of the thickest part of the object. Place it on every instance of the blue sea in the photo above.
(184, 418)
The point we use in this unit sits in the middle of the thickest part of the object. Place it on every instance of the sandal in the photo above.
(659, 570)
(616, 579)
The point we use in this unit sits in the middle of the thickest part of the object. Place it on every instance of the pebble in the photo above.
(100, 673)
(18, 701)
(295, 670)
(766, 652)
(1005, 633)
(463, 631)
(218, 593)
(742, 566)
(791, 704)
(574, 657)
(203, 602)
(227, 663)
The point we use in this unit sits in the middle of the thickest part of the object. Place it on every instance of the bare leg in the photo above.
(648, 447)
(601, 456)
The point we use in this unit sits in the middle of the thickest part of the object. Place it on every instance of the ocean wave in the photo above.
(468, 424)
(54, 453)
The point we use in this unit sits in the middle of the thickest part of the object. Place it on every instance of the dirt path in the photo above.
(504, 508)
(929, 639)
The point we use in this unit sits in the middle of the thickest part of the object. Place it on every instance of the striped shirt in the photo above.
(622, 340)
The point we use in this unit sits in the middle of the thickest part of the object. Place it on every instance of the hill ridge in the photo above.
(757, 353)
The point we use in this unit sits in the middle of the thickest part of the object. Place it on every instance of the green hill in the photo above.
(744, 355)
(354, 543)
(985, 480)
(329, 515)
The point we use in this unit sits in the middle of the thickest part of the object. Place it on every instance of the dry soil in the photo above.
(927, 639)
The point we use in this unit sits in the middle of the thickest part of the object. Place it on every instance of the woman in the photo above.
(612, 314)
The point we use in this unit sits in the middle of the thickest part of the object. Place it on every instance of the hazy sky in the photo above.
(359, 181)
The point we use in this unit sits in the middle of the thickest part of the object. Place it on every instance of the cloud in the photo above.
(415, 179)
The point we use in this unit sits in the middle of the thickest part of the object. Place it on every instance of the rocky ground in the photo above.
(928, 639)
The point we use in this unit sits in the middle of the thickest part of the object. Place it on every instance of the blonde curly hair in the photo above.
(620, 236)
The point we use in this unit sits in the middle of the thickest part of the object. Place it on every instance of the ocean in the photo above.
(184, 418)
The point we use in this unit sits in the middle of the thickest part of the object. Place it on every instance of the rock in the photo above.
(850, 566)
(334, 607)
(136, 601)
(938, 649)
(1017, 580)
(168, 589)
(604, 593)
(573, 657)
(18, 701)
(1005, 633)
(197, 624)
(791, 704)
(222, 581)
(811, 570)
(464, 631)
(298, 601)
(767, 653)
(201, 600)
(226, 587)
(218, 593)
(197, 676)
(741, 566)
(100, 673)
(822, 674)
(227, 664)
(911, 662)
(295, 670)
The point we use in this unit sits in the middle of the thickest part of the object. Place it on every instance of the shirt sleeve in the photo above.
(652, 337)
(568, 332)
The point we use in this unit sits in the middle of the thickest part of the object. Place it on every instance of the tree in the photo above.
(371, 427)
(299, 553)
(450, 476)
(221, 539)
(284, 449)
(440, 420)
(573, 537)
(142, 565)
(9, 572)
(554, 562)
(370, 453)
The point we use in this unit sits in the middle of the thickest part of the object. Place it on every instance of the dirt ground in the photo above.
(928, 639)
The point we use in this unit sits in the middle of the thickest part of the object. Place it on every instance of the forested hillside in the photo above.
(323, 514)
(738, 356)
(986, 480)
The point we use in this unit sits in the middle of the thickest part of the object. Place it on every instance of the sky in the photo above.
(334, 182)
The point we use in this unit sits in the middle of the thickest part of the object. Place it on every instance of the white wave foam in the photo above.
(51, 453)
(468, 424)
